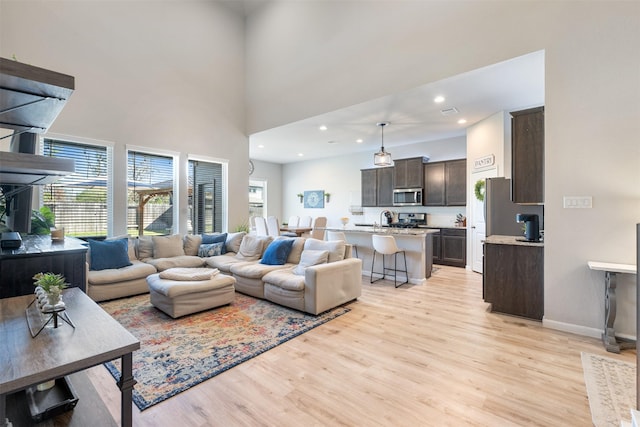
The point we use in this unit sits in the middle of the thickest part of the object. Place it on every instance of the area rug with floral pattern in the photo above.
(176, 354)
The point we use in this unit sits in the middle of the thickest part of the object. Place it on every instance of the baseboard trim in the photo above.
(570, 327)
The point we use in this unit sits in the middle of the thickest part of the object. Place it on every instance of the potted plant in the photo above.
(51, 284)
(301, 197)
(327, 197)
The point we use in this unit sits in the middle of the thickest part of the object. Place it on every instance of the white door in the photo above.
(478, 226)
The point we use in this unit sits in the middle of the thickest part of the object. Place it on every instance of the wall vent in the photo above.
(449, 111)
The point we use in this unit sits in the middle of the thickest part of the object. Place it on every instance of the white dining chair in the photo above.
(273, 226)
(261, 226)
(293, 221)
(305, 221)
(386, 245)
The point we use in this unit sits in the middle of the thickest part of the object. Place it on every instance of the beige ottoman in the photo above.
(181, 297)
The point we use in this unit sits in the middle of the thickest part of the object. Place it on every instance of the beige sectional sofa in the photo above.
(316, 276)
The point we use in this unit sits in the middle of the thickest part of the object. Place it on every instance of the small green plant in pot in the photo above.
(52, 284)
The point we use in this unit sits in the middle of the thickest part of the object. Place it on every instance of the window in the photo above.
(205, 197)
(79, 201)
(150, 184)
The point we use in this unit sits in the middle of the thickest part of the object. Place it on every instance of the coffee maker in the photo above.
(531, 226)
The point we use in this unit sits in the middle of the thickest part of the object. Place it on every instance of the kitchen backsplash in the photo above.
(438, 216)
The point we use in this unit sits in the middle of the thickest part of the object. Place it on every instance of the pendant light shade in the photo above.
(382, 158)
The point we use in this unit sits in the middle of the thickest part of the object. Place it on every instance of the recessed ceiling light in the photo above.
(438, 99)
(323, 127)
(359, 141)
(260, 146)
(462, 121)
(331, 142)
(300, 154)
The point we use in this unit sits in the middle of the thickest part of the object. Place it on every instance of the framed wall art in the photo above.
(314, 199)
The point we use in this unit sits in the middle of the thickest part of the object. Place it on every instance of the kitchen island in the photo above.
(416, 242)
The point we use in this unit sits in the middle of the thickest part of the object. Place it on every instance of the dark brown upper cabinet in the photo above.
(408, 173)
(527, 156)
(445, 183)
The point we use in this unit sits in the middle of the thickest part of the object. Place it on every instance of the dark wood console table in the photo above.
(54, 353)
(41, 254)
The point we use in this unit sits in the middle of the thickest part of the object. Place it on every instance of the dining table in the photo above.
(298, 230)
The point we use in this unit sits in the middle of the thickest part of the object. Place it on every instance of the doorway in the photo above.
(478, 226)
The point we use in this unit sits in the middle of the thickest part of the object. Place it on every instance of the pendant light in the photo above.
(382, 158)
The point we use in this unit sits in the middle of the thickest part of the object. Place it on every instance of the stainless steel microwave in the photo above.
(407, 197)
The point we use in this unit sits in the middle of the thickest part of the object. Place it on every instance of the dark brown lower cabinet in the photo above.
(450, 247)
(513, 279)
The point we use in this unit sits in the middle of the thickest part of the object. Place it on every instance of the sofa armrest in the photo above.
(329, 285)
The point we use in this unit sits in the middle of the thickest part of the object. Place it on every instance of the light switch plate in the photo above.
(577, 202)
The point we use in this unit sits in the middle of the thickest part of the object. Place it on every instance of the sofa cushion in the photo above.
(145, 247)
(285, 279)
(131, 245)
(192, 243)
(252, 247)
(310, 257)
(296, 249)
(234, 240)
(223, 262)
(167, 246)
(210, 249)
(137, 270)
(162, 264)
(253, 270)
(215, 238)
(109, 254)
(277, 252)
(335, 248)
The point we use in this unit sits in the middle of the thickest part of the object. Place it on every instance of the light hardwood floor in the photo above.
(414, 356)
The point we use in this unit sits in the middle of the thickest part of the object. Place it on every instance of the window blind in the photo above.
(79, 201)
(205, 197)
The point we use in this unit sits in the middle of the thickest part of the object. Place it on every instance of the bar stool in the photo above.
(386, 245)
(339, 235)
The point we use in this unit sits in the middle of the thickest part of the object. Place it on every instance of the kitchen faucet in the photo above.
(387, 215)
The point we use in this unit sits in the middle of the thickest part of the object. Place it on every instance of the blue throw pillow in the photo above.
(207, 239)
(109, 254)
(277, 252)
(210, 249)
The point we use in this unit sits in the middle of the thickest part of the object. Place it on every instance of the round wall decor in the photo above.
(479, 190)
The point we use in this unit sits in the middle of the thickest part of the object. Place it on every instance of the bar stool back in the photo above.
(386, 245)
(339, 235)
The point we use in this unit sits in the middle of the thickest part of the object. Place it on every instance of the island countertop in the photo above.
(386, 230)
(416, 242)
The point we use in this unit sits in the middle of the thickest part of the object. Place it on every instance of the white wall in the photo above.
(336, 54)
(160, 74)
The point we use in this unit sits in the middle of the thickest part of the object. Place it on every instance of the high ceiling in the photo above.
(413, 115)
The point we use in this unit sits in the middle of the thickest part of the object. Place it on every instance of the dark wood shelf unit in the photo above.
(39, 254)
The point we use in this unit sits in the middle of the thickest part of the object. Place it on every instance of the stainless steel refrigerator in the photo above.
(500, 212)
